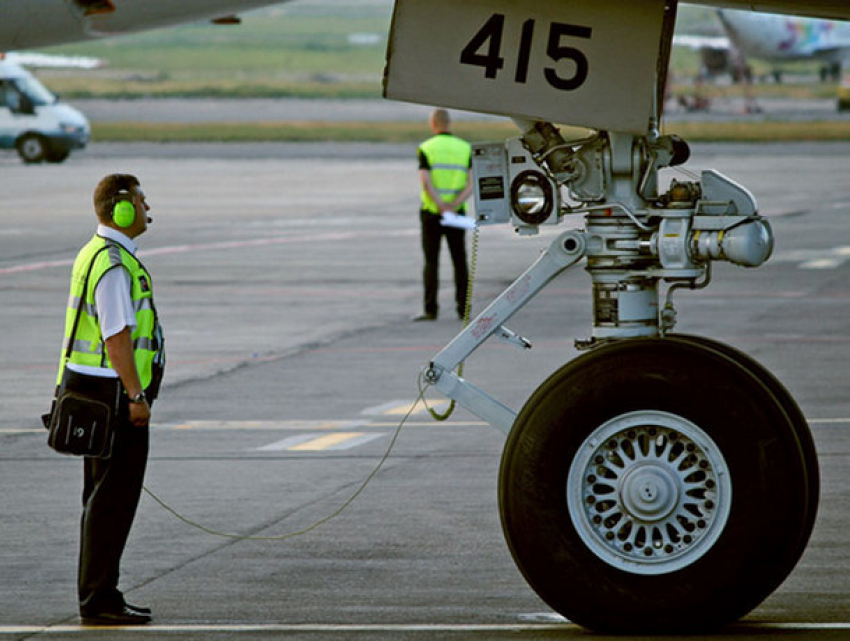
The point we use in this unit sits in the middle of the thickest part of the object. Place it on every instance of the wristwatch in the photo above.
(139, 398)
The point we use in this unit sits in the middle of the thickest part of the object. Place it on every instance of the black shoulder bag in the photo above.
(82, 419)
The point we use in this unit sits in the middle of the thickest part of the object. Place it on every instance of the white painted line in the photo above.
(218, 246)
(341, 628)
(822, 263)
(793, 626)
(31, 267)
(542, 617)
(348, 628)
(287, 443)
(814, 258)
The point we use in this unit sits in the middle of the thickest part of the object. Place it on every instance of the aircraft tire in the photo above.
(794, 413)
(658, 486)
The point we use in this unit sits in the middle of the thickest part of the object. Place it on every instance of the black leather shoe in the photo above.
(137, 608)
(122, 616)
(425, 317)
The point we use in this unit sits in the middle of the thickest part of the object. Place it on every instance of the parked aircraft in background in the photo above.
(782, 39)
(777, 39)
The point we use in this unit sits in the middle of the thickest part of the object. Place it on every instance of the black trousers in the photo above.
(432, 235)
(111, 492)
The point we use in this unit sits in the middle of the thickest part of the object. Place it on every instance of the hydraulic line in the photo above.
(371, 475)
(315, 524)
(473, 264)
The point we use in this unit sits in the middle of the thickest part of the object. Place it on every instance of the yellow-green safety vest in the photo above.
(448, 157)
(88, 347)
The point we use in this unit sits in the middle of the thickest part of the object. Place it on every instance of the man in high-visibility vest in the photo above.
(118, 335)
(444, 172)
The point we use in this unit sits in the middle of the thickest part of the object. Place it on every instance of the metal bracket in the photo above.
(564, 252)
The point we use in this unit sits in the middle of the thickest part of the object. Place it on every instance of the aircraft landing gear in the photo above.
(658, 486)
(659, 483)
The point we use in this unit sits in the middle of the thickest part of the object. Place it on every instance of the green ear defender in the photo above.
(124, 213)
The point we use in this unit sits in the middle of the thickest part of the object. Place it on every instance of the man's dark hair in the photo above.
(106, 191)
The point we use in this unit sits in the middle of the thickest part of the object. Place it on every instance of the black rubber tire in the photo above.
(731, 401)
(795, 415)
(58, 156)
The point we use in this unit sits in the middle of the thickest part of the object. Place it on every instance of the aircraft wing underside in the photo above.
(41, 23)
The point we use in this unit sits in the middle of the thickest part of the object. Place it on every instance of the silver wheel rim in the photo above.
(649, 492)
(32, 148)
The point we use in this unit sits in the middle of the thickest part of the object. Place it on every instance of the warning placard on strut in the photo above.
(579, 62)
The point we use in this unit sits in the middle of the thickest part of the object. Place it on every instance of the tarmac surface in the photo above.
(286, 276)
(185, 110)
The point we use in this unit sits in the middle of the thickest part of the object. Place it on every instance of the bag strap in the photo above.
(80, 304)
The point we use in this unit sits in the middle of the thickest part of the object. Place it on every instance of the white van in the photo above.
(34, 121)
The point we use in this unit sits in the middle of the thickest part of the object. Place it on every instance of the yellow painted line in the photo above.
(401, 410)
(260, 425)
(432, 423)
(325, 442)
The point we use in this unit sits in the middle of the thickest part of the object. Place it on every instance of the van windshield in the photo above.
(37, 93)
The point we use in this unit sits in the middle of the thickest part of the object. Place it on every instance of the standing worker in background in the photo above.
(118, 336)
(444, 171)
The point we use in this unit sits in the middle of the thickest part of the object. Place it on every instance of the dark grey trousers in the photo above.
(111, 492)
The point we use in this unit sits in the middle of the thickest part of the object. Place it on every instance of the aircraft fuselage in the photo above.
(785, 38)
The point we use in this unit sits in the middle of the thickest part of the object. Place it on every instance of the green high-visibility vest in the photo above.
(448, 157)
(87, 344)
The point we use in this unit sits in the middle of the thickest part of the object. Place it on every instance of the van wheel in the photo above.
(32, 148)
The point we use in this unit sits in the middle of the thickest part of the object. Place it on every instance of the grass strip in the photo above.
(414, 132)
(762, 131)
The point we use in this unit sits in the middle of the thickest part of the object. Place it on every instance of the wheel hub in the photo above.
(649, 492)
